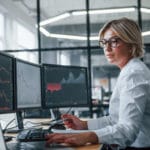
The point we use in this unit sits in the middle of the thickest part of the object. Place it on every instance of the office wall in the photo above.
(56, 45)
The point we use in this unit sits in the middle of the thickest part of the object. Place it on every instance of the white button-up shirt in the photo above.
(128, 123)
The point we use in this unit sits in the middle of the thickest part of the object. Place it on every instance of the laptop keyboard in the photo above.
(32, 135)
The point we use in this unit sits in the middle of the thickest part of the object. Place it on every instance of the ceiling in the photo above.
(25, 11)
(52, 8)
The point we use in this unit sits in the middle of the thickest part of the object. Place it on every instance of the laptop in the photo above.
(14, 146)
(2, 141)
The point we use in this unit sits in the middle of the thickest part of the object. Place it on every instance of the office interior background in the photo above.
(65, 32)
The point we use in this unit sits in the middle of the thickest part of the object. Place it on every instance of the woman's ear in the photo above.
(132, 50)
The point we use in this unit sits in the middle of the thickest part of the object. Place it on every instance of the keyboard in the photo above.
(8, 138)
(32, 135)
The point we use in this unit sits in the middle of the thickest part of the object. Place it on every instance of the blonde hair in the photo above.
(129, 31)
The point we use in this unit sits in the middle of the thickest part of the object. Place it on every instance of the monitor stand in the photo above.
(56, 121)
(19, 123)
(19, 119)
(55, 114)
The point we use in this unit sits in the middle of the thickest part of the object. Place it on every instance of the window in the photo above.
(1, 31)
(25, 38)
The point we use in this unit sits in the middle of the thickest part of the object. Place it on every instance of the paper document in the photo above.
(69, 131)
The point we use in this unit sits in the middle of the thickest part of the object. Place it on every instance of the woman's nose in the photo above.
(107, 47)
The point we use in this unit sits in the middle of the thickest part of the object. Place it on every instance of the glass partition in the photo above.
(61, 24)
(76, 57)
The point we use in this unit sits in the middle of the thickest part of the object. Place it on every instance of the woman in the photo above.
(128, 123)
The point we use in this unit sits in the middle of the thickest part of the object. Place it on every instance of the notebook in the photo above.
(69, 131)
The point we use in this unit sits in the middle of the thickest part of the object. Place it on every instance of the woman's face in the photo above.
(116, 51)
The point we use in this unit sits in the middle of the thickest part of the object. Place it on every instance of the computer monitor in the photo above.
(7, 98)
(28, 85)
(64, 86)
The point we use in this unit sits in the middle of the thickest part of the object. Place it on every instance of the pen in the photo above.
(59, 121)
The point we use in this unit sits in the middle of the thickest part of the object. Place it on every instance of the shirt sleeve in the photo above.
(100, 123)
(131, 109)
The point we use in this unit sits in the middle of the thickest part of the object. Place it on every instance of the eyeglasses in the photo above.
(113, 42)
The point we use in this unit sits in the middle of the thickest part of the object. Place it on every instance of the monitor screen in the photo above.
(6, 83)
(64, 86)
(28, 82)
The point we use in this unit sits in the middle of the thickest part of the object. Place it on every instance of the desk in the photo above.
(41, 145)
(89, 147)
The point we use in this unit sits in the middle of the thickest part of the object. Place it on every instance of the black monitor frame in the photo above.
(12, 80)
(58, 105)
(32, 78)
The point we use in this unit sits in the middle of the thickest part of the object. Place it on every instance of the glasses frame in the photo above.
(112, 42)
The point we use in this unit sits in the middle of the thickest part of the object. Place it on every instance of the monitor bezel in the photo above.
(69, 105)
(12, 110)
(33, 64)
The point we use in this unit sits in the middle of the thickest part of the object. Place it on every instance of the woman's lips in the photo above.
(109, 55)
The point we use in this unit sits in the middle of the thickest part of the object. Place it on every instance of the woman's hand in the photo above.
(74, 122)
(72, 139)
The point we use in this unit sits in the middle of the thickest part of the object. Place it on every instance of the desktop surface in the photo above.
(40, 145)
(36, 146)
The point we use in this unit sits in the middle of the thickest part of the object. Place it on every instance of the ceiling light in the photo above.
(44, 31)
(78, 13)
(91, 12)
(75, 37)
(94, 38)
(64, 36)
(145, 10)
(146, 33)
(54, 19)
(116, 10)
(104, 11)
(84, 12)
